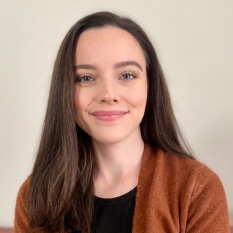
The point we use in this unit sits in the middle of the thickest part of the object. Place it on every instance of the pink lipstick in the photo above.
(108, 115)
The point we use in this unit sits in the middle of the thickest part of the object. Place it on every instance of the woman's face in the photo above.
(111, 84)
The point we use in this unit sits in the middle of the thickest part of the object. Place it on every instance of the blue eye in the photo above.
(127, 76)
(85, 78)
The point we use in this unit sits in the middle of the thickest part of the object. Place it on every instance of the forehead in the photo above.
(108, 42)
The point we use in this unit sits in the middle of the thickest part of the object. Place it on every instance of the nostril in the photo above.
(107, 99)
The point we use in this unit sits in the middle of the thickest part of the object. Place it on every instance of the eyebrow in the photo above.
(118, 65)
(128, 63)
(84, 66)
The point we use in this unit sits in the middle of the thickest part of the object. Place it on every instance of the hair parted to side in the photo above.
(61, 188)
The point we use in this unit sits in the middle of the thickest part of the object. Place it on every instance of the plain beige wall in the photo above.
(194, 40)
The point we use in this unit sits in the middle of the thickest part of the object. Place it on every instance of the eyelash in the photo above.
(85, 78)
(81, 78)
(128, 73)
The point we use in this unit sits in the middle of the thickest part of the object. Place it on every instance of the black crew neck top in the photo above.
(114, 215)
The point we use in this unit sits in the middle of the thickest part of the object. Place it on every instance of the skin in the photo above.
(110, 100)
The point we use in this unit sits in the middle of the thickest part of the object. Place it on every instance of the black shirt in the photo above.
(114, 215)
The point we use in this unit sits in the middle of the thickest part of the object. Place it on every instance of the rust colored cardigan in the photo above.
(174, 194)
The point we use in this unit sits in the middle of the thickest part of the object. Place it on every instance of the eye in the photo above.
(127, 75)
(85, 78)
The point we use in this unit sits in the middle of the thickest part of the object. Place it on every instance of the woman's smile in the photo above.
(112, 115)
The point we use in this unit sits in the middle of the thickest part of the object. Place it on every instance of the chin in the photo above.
(108, 140)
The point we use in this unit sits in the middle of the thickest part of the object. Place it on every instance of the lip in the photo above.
(112, 115)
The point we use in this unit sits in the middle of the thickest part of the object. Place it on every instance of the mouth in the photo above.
(108, 115)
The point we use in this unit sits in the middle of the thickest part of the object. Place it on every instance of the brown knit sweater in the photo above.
(174, 194)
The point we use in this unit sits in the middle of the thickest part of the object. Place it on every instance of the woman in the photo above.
(111, 157)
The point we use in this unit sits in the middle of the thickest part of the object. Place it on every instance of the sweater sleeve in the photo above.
(208, 209)
(21, 222)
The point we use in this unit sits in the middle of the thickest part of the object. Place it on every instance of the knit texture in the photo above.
(178, 194)
(174, 194)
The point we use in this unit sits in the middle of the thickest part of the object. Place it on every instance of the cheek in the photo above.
(81, 98)
(139, 97)
(80, 104)
(77, 102)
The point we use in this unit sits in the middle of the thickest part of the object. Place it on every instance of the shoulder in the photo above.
(21, 208)
(184, 172)
(177, 165)
(183, 188)
(23, 190)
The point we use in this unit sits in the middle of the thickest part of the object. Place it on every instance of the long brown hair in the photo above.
(61, 188)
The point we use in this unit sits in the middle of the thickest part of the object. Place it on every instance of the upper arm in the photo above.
(208, 208)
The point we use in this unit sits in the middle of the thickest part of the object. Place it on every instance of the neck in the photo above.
(117, 166)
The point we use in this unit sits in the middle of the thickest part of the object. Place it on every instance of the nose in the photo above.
(108, 91)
